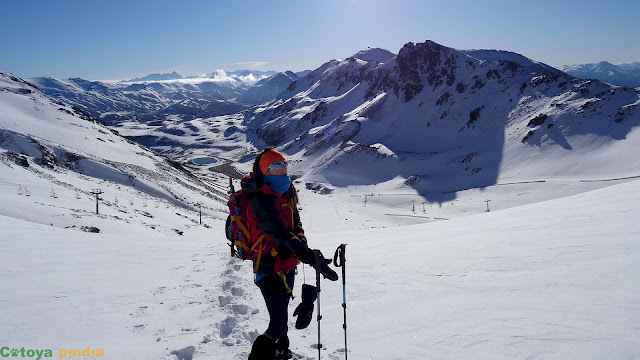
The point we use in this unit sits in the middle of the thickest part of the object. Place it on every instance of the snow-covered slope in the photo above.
(553, 280)
(497, 55)
(52, 160)
(623, 74)
(103, 100)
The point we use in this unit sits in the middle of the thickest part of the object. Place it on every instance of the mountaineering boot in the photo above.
(284, 355)
(304, 311)
(323, 267)
(282, 348)
(264, 348)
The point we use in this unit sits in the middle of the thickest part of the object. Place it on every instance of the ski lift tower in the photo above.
(97, 193)
(199, 205)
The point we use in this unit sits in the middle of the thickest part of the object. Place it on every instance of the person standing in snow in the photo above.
(274, 210)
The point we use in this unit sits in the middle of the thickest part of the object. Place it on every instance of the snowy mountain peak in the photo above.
(157, 77)
(606, 64)
(623, 74)
(10, 82)
(256, 73)
(374, 55)
(631, 66)
(422, 56)
(269, 88)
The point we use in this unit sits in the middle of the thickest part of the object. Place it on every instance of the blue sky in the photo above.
(114, 39)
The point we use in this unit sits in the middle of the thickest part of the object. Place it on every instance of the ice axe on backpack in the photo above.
(228, 229)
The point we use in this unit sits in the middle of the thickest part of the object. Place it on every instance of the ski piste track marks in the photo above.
(622, 178)
(539, 181)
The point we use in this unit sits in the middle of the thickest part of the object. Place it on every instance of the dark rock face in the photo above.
(416, 66)
(538, 120)
(474, 115)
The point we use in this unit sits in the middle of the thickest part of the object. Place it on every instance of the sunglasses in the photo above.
(278, 165)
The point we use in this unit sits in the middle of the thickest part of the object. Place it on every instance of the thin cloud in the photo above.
(217, 76)
(252, 65)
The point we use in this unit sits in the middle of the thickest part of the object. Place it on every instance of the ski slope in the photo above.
(551, 280)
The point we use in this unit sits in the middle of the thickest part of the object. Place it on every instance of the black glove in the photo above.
(284, 250)
(323, 266)
(293, 245)
(304, 311)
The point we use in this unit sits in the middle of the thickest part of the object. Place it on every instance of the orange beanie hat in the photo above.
(269, 158)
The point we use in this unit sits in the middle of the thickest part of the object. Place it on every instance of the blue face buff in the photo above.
(280, 183)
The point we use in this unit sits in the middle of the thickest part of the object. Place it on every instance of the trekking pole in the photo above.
(316, 254)
(339, 261)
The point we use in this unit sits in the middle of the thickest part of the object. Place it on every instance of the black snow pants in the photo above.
(277, 299)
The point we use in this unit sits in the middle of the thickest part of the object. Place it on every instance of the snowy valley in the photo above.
(489, 204)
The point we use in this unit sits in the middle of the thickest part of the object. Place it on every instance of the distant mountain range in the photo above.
(145, 101)
(237, 74)
(623, 74)
(158, 96)
(430, 117)
(157, 77)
